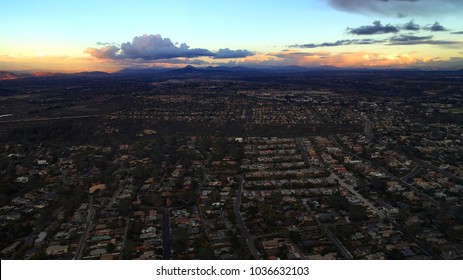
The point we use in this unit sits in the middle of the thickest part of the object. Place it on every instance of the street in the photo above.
(239, 218)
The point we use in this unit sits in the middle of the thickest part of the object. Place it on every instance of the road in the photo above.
(304, 151)
(368, 129)
(328, 233)
(420, 244)
(116, 194)
(50, 119)
(389, 174)
(414, 172)
(239, 218)
(124, 238)
(64, 174)
(166, 246)
(437, 169)
(88, 227)
(358, 195)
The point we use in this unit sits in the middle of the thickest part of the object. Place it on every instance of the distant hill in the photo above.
(258, 73)
(130, 71)
(93, 74)
(4, 75)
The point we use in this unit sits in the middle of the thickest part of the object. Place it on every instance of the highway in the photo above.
(50, 119)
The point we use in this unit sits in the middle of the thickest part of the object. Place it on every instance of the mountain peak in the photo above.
(189, 67)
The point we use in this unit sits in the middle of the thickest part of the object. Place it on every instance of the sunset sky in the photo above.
(108, 35)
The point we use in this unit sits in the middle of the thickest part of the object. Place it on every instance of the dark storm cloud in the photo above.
(436, 27)
(411, 26)
(398, 7)
(154, 47)
(340, 43)
(376, 28)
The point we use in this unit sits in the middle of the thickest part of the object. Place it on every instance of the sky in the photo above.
(109, 35)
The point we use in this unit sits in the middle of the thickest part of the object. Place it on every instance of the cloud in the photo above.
(154, 47)
(411, 26)
(403, 39)
(436, 27)
(419, 40)
(452, 63)
(457, 33)
(105, 44)
(103, 52)
(376, 28)
(398, 7)
(344, 59)
(340, 43)
(407, 38)
(227, 53)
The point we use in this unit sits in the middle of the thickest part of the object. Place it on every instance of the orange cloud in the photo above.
(343, 59)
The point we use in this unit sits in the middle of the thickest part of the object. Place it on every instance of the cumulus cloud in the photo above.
(154, 47)
(376, 28)
(398, 7)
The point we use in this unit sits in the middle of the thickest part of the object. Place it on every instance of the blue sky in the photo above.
(51, 34)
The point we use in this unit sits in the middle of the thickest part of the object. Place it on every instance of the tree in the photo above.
(153, 199)
(179, 238)
(283, 252)
(110, 247)
(276, 197)
(123, 207)
(295, 236)
(357, 213)
(338, 202)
